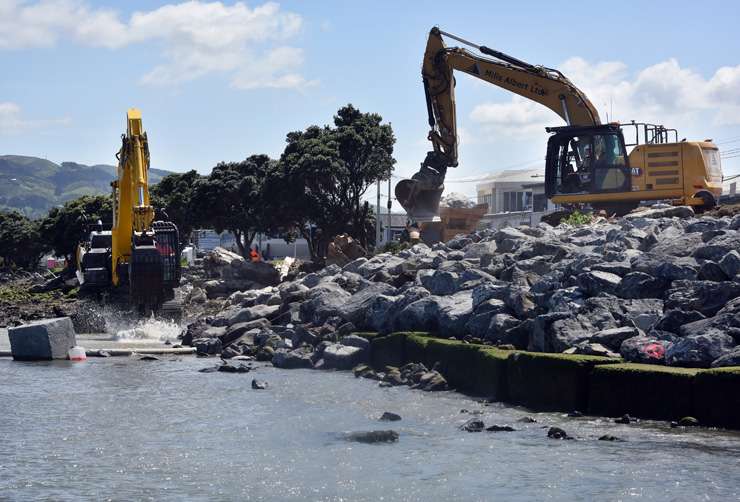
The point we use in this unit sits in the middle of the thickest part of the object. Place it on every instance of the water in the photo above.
(119, 429)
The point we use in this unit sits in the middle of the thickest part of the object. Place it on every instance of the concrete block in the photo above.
(42, 340)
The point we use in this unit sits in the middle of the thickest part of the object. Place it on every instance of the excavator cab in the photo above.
(586, 160)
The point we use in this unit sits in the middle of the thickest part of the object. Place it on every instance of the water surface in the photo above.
(120, 429)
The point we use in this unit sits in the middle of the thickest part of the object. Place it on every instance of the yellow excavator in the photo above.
(138, 255)
(587, 161)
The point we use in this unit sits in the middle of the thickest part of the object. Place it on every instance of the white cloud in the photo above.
(12, 120)
(195, 38)
(664, 93)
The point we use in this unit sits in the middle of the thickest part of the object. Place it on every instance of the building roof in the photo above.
(523, 176)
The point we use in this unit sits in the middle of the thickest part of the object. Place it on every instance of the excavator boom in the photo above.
(421, 194)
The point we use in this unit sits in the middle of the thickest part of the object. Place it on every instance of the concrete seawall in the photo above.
(562, 382)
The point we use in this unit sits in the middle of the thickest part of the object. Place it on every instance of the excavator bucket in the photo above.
(420, 202)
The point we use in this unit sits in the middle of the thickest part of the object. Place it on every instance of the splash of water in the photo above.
(149, 330)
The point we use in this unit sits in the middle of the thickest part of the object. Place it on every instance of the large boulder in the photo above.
(644, 349)
(292, 359)
(730, 264)
(354, 308)
(707, 297)
(662, 212)
(343, 357)
(674, 319)
(42, 340)
(699, 350)
(613, 338)
(597, 282)
(323, 301)
(453, 313)
(641, 285)
(441, 282)
(558, 331)
(716, 248)
(252, 313)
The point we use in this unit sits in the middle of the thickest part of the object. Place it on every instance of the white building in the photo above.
(514, 197)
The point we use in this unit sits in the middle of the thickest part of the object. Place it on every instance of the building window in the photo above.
(517, 201)
(457, 223)
(539, 203)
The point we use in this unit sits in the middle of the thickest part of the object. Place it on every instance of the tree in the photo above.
(324, 172)
(232, 198)
(20, 241)
(174, 194)
(366, 151)
(65, 227)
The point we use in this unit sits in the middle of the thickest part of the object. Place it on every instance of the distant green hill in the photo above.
(33, 186)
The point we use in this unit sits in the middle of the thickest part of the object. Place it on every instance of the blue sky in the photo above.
(221, 81)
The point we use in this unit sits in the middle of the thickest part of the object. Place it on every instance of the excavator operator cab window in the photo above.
(587, 162)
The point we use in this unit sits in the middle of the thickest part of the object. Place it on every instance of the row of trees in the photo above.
(314, 190)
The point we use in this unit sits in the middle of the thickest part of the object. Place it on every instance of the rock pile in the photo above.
(661, 286)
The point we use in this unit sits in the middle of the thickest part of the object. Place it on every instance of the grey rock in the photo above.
(674, 319)
(613, 338)
(356, 341)
(342, 357)
(596, 282)
(293, 359)
(207, 345)
(479, 249)
(699, 350)
(499, 326)
(42, 340)
(662, 212)
(730, 263)
(353, 309)
(711, 271)
(556, 332)
(731, 358)
(259, 384)
(643, 349)
(252, 313)
(473, 425)
(373, 436)
(387, 416)
(323, 301)
(453, 313)
(716, 248)
(706, 297)
(236, 331)
(641, 285)
(441, 282)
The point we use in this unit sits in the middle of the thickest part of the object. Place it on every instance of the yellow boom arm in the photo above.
(544, 85)
(132, 212)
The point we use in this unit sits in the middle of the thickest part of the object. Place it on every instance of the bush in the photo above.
(577, 219)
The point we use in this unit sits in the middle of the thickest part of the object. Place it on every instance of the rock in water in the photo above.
(227, 367)
(500, 428)
(473, 425)
(373, 436)
(259, 384)
(387, 416)
(607, 437)
(42, 340)
(557, 433)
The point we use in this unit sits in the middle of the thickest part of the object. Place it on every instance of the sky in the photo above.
(219, 81)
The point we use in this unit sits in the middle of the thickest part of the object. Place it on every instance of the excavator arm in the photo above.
(420, 195)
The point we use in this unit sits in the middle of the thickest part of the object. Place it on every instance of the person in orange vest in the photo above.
(254, 255)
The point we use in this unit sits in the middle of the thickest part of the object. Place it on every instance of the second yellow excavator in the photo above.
(587, 161)
(138, 255)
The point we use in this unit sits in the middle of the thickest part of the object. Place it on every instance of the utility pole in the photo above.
(390, 203)
(377, 220)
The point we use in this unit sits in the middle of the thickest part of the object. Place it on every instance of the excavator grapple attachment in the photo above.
(420, 200)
